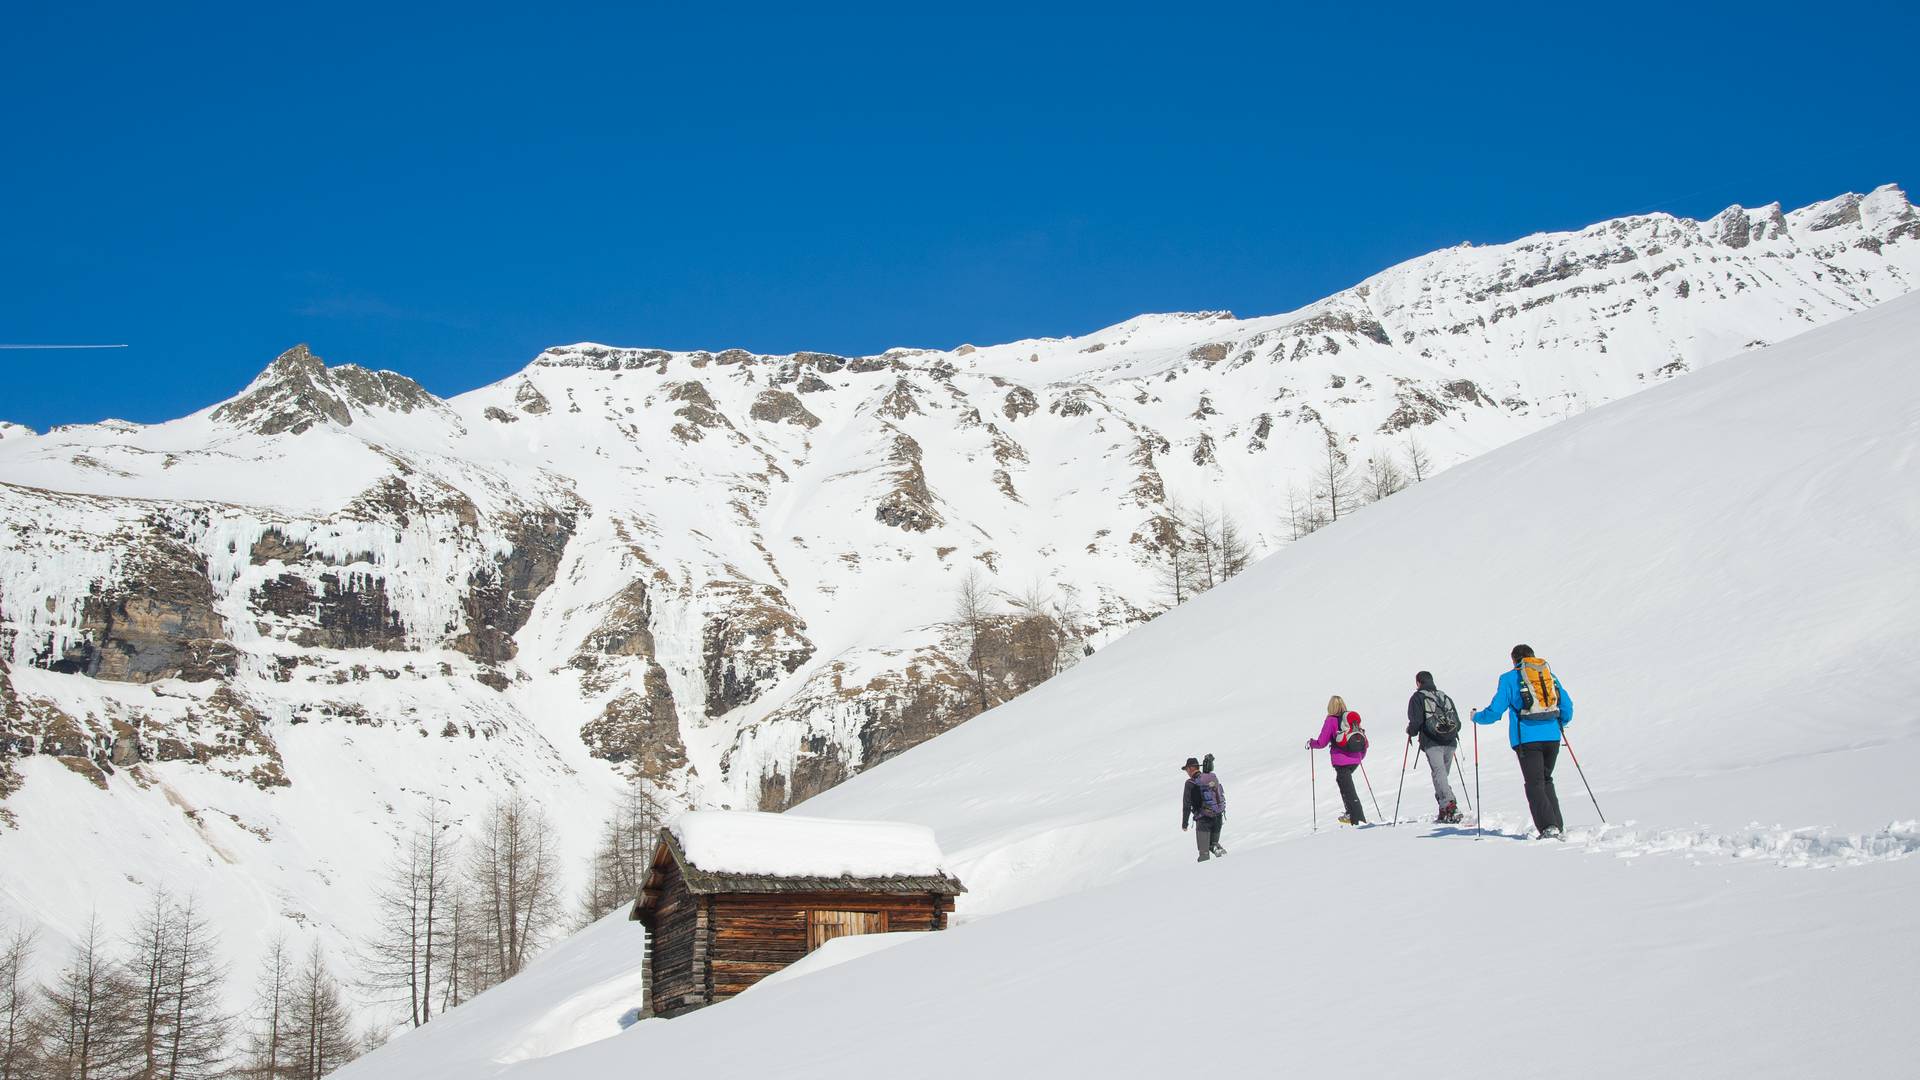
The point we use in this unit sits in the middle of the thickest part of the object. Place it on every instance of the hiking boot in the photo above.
(1552, 832)
(1218, 850)
(1344, 819)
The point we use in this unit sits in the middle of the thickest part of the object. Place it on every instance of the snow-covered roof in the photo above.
(780, 845)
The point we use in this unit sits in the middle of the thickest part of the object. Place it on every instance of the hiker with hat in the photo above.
(1203, 804)
(1538, 708)
(1343, 733)
(1432, 717)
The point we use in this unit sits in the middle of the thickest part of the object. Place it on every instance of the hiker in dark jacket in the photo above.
(1427, 710)
(1203, 803)
(1335, 732)
(1533, 731)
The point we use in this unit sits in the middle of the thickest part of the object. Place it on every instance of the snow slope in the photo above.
(242, 650)
(1720, 569)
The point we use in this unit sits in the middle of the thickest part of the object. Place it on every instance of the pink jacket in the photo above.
(1340, 757)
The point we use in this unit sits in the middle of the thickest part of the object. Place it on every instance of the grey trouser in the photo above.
(1206, 833)
(1440, 763)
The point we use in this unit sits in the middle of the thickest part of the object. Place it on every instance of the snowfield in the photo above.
(1721, 570)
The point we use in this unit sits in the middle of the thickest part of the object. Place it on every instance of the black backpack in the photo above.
(1443, 721)
(1350, 738)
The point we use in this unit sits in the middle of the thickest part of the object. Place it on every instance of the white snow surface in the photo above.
(1047, 462)
(1721, 570)
(745, 842)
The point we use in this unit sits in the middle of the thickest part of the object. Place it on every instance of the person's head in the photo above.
(1423, 680)
(1521, 652)
(1191, 768)
(1336, 706)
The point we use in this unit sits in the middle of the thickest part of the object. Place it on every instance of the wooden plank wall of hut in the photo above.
(679, 949)
(757, 934)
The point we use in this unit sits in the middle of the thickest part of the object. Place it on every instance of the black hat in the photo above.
(1192, 763)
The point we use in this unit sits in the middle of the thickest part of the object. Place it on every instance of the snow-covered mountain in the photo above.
(255, 640)
(1721, 572)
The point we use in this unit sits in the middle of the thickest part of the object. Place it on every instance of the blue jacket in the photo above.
(1506, 698)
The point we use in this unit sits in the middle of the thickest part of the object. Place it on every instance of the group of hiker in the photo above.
(1529, 695)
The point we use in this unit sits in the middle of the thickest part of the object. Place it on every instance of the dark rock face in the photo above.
(641, 731)
(298, 391)
(349, 612)
(751, 642)
(529, 399)
(1019, 402)
(907, 504)
(156, 623)
(781, 407)
(499, 600)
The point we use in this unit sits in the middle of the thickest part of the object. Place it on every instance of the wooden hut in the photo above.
(732, 897)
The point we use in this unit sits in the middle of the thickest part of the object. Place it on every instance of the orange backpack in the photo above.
(1539, 694)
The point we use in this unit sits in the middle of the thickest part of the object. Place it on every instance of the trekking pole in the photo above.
(1397, 791)
(1462, 770)
(1313, 788)
(1583, 773)
(1479, 824)
(1370, 794)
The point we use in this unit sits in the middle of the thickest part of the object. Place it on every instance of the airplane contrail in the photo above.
(62, 346)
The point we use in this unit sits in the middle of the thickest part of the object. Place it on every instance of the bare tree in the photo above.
(1384, 477)
(466, 971)
(88, 1016)
(269, 1050)
(1233, 552)
(18, 1041)
(516, 883)
(400, 961)
(972, 611)
(1419, 463)
(620, 864)
(1038, 637)
(319, 1029)
(1333, 483)
(196, 1030)
(1178, 573)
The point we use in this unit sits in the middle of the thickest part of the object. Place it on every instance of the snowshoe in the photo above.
(1552, 834)
(1218, 850)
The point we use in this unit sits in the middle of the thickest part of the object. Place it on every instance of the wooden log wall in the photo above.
(679, 950)
(757, 934)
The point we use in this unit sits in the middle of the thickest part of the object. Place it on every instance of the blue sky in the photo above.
(444, 191)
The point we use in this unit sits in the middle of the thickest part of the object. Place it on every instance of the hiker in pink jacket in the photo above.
(1342, 732)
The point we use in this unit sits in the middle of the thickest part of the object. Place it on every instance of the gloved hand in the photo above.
(1309, 744)
(1183, 828)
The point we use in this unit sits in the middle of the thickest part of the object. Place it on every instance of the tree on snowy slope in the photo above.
(87, 1016)
(971, 610)
(17, 1030)
(1179, 568)
(1334, 487)
(516, 884)
(269, 1045)
(177, 979)
(619, 867)
(319, 1026)
(1383, 477)
(1419, 462)
(407, 952)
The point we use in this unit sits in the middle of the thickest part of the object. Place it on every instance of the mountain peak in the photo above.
(298, 390)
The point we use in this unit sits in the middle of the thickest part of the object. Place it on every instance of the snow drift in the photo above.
(1721, 571)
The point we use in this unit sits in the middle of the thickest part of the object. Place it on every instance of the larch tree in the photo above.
(269, 1045)
(404, 957)
(19, 1042)
(512, 869)
(620, 863)
(1384, 477)
(1333, 482)
(319, 1028)
(88, 1016)
(972, 611)
(1419, 462)
(197, 1031)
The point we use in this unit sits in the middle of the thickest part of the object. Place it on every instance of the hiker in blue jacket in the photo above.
(1535, 717)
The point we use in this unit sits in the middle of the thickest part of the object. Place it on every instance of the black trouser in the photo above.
(1207, 835)
(1343, 775)
(1536, 765)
